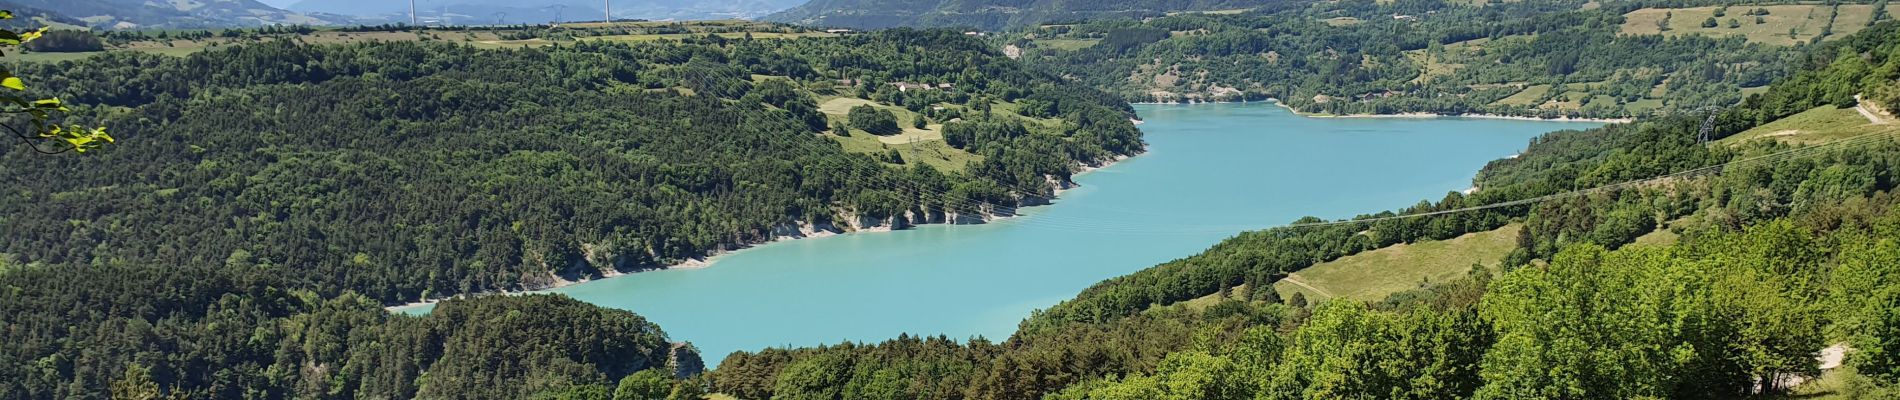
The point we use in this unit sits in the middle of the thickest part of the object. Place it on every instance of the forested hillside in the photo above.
(1779, 257)
(1544, 59)
(218, 332)
(264, 201)
(403, 170)
(25, 17)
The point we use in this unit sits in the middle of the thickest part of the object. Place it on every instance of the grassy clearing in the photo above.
(1067, 44)
(1661, 89)
(1807, 21)
(1373, 275)
(1656, 238)
(42, 21)
(1562, 103)
(1574, 96)
(47, 57)
(1430, 65)
(839, 109)
(728, 35)
(512, 44)
(1643, 106)
(915, 145)
(1834, 384)
(1472, 44)
(1817, 125)
(1854, 17)
(1528, 96)
(1343, 21)
(716, 23)
(1586, 86)
(1506, 85)
(1235, 11)
(935, 153)
(1014, 110)
(1201, 303)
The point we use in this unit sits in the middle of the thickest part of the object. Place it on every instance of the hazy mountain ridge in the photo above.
(134, 14)
(988, 14)
(539, 11)
(140, 14)
(25, 17)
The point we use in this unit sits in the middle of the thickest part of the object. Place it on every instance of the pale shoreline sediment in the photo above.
(1412, 114)
(806, 231)
(1466, 115)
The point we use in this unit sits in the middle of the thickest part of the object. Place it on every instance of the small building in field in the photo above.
(908, 86)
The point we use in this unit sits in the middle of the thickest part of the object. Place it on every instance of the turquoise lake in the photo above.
(1212, 170)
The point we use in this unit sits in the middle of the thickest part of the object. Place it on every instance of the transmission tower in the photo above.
(1708, 125)
(501, 18)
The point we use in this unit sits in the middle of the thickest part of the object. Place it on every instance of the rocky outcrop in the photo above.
(684, 360)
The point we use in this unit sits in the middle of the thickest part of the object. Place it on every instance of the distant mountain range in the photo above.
(541, 11)
(139, 14)
(989, 14)
(134, 14)
(25, 17)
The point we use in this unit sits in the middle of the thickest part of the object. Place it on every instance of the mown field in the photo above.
(1784, 25)
(924, 145)
(914, 144)
(728, 35)
(1373, 275)
(1817, 125)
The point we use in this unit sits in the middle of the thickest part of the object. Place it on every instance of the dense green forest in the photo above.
(1778, 258)
(217, 332)
(1545, 59)
(403, 170)
(66, 41)
(265, 200)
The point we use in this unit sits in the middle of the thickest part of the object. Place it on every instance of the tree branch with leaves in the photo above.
(38, 131)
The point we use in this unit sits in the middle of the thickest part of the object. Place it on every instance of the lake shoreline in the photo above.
(1419, 115)
(1178, 198)
(805, 230)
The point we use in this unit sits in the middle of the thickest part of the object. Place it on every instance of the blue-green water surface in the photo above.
(1212, 169)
